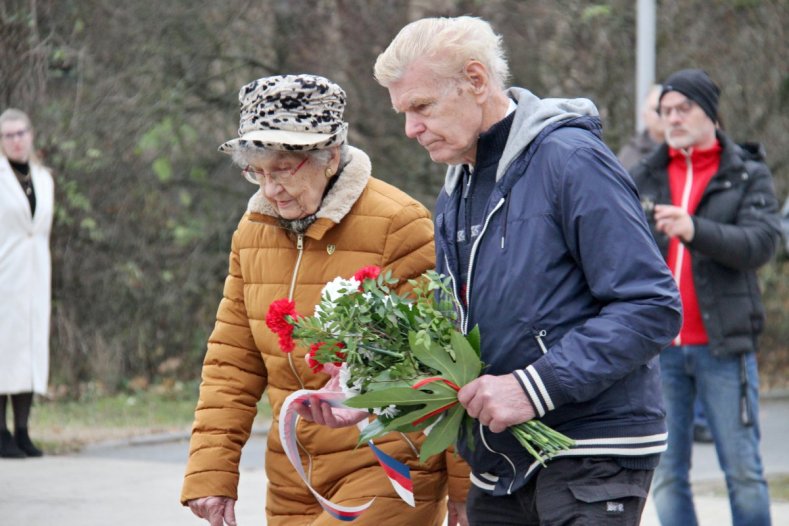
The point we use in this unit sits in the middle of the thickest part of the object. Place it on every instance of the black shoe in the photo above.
(702, 434)
(25, 444)
(8, 447)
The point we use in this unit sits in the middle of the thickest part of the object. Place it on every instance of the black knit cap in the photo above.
(696, 85)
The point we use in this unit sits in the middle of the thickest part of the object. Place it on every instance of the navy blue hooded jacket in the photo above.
(568, 288)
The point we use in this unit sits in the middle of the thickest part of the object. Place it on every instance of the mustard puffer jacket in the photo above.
(362, 221)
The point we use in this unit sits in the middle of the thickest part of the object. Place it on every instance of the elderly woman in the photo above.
(317, 214)
(26, 205)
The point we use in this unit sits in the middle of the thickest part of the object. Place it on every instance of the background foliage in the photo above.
(131, 99)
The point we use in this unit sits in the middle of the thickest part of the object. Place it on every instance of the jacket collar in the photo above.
(731, 156)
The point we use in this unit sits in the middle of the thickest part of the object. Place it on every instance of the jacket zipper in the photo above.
(464, 325)
(291, 292)
(680, 245)
(464, 322)
(300, 248)
(504, 226)
(456, 297)
(505, 457)
(414, 450)
(539, 335)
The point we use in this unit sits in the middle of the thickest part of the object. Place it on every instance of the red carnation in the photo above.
(314, 364)
(276, 320)
(341, 355)
(364, 273)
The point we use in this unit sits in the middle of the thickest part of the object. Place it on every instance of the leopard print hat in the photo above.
(290, 113)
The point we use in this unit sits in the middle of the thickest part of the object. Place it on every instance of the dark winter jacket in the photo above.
(568, 289)
(737, 230)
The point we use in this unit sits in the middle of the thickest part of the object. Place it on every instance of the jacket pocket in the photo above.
(611, 503)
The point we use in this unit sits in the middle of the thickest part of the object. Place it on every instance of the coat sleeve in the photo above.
(458, 475)
(752, 239)
(607, 235)
(233, 380)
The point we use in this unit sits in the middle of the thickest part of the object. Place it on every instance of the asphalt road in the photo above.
(138, 483)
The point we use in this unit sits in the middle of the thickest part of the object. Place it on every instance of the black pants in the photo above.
(22, 403)
(569, 492)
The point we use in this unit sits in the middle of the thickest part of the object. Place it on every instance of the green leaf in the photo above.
(441, 397)
(443, 434)
(384, 397)
(436, 357)
(468, 423)
(405, 421)
(467, 360)
(163, 169)
(475, 340)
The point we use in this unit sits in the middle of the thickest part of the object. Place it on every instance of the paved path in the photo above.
(139, 483)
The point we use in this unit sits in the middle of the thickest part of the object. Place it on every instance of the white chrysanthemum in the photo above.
(345, 375)
(334, 290)
(370, 298)
(389, 412)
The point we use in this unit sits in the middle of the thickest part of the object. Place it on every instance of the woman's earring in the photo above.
(329, 173)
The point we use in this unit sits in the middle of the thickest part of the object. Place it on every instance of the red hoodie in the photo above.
(689, 172)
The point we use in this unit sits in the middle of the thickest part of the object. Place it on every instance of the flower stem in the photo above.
(540, 441)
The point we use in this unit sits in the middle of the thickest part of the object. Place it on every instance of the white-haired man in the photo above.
(541, 231)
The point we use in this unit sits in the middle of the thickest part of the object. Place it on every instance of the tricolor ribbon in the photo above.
(441, 409)
(398, 473)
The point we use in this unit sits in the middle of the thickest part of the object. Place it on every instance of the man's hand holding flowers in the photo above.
(498, 402)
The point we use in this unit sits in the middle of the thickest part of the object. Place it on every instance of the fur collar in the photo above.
(338, 202)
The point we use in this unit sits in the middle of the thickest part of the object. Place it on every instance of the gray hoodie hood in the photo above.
(532, 115)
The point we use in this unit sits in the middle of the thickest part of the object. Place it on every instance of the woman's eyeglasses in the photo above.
(278, 176)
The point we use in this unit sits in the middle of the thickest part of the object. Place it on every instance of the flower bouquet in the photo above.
(399, 356)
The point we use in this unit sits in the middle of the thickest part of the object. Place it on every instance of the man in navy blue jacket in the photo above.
(542, 233)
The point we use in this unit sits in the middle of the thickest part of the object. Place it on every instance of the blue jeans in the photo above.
(692, 371)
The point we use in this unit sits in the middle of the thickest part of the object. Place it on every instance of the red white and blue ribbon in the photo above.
(398, 473)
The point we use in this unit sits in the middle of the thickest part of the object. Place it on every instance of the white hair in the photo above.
(447, 44)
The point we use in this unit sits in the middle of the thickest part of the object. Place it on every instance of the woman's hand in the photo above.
(218, 511)
(322, 413)
(457, 513)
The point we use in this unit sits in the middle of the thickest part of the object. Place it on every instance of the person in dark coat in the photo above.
(713, 211)
(644, 142)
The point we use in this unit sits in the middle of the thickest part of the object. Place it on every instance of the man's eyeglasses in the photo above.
(682, 109)
(278, 176)
(14, 135)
